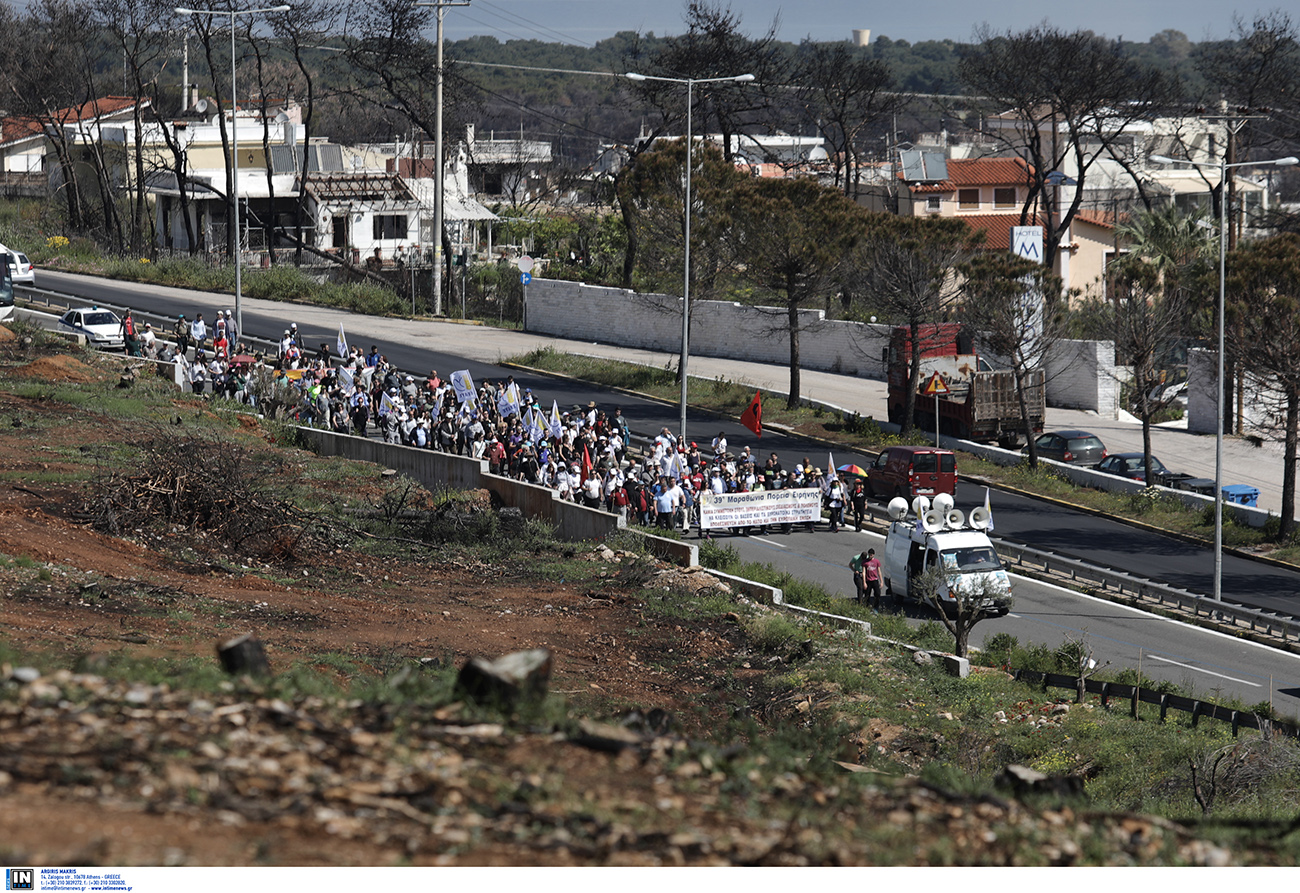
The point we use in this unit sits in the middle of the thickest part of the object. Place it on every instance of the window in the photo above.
(390, 226)
(968, 199)
(932, 204)
(1004, 197)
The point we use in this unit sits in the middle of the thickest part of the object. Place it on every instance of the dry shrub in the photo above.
(209, 485)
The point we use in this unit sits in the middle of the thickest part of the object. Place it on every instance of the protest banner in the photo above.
(719, 510)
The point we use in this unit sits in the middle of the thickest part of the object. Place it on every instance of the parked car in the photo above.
(913, 471)
(100, 328)
(20, 268)
(1075, 447)
(1130, 465)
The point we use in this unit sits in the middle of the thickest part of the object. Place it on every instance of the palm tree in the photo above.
(1169, 243)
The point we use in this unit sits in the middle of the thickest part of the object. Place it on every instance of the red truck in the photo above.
(980, 403)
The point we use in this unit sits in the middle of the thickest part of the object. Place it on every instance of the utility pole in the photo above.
(438, 5)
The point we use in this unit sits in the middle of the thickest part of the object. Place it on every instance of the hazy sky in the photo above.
(584, 22)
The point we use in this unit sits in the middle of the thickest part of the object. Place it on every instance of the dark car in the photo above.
(1075, 447)
(1129, 465)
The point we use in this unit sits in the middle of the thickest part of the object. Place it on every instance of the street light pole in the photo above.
(686, 266)
(438, 198)
(234, 146)
(1223, 167)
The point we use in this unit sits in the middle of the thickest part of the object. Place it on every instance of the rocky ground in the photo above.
(102, 772)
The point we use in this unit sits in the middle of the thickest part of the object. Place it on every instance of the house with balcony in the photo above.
(990, 194)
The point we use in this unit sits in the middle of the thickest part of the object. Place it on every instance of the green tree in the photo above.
(1264, 293)
(1153, 292)
(1009, 299)
(910, 266)
(1062, 102)
(846, 94)
(793, 237)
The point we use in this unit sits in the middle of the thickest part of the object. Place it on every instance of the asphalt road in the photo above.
(1205, 663)
(420, 347)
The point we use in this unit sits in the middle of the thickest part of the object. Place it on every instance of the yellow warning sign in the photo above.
(935, 387)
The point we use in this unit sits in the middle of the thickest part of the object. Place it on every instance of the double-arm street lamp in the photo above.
(686, 276)
(234, 142)
(1223, 167)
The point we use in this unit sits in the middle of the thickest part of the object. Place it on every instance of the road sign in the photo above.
(936, 386)
(525, 278)
(525, 263)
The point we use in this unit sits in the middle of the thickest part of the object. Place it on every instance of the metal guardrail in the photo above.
(1271, 624)
(1160, 594)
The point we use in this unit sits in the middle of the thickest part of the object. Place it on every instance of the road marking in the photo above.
(769, 542)
(1200, 670)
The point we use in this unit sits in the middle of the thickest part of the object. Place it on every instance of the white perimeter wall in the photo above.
(1081, 377)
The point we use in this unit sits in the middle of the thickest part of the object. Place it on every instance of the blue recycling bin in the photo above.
(1241, 494)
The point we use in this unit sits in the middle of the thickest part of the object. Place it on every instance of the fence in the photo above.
(1135, 694)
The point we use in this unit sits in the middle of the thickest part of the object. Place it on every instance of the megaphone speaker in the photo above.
(979, 518)
(920, 505)
(932, 521)
(897, 508)
(955, 518)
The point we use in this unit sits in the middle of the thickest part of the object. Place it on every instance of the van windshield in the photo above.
(972, 560)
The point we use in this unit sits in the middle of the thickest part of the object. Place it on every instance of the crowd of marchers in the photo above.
(584, 453)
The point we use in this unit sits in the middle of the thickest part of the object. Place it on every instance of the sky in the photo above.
(584, 22)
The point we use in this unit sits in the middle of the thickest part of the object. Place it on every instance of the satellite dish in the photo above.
(921, 505)
(979, 518)
(956, 519)
(932, 521)
(201, 106)
(897, 508)
(943, 502)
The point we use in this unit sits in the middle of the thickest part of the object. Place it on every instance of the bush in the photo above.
(773, 633)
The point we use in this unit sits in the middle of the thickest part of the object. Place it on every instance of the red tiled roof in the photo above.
(978, 172)
(1104, 219)
(13, 129)
(997, 228)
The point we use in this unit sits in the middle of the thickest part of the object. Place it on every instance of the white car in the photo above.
(21, 270)
(100, 328)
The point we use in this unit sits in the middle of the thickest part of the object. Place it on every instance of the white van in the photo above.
(941, 539)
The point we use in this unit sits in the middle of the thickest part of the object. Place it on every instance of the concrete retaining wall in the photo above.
(572, 522)
(718, 328)
(1080, 375)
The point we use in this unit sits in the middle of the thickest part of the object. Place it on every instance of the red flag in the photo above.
(752, 417)
(586, 464)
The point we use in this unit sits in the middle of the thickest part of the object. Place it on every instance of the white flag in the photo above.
(386, 405)
(508, 402)
(463, 384)
(342, 344)
(557, 426)
(988, 510)
(346, 380)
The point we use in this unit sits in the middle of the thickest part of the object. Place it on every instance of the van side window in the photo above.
(947, 463)
(925, 463)
(883, 459)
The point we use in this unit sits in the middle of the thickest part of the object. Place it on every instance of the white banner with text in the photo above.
(719, 510)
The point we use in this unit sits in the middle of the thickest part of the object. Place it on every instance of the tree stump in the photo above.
(244, 654)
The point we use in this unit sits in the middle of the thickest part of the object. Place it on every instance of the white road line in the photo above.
(1200, 670)
(770, 542)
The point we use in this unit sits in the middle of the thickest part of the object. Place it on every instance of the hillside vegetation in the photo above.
(682, 723)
